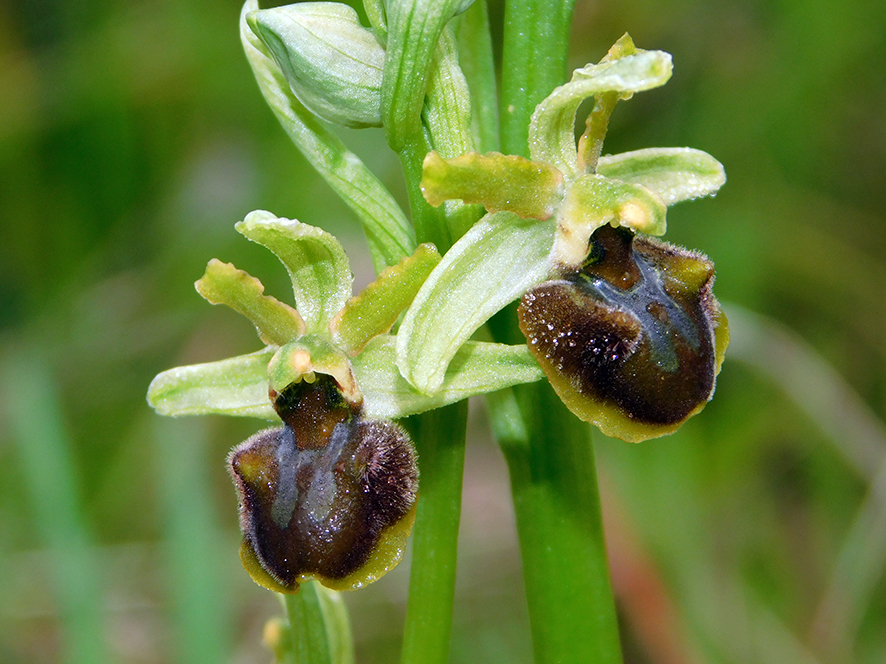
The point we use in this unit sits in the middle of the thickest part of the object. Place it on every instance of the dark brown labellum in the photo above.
(329, 495)
(633, 340)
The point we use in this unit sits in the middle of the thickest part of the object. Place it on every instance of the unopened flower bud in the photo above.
(332, 63)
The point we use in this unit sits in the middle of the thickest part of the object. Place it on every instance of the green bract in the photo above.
(543, 214)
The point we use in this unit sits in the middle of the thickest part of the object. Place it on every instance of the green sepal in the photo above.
(303, 359)
(476, 368)
(276, 322)
(376, 308)
(496, 181)
(316, 262)
(675, 174)
(389, 233)
(551, 130)
(332, 63)
(236, 386)
(592, 201)
(494, 263)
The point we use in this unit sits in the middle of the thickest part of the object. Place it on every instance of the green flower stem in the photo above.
(430, 223)
(549, 452)
(536, 36)
(557, 505)
(319, 627)
(440, 440)
(422, 78)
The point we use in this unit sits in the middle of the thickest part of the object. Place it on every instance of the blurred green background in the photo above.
(132, 137)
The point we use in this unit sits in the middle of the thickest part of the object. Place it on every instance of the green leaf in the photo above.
(675, 174)
(276, 322)
(493, 264)
(316, 262)
(332, 63)
(390, 235)
(552, 128)
(496, 181)
(476, 62)
(375, 310)
(236, 386)
(476, 368)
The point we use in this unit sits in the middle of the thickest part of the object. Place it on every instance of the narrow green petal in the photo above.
(496, 181)
(552, 128)
(675, 174)
(317, 264)
(236, 386)
(477, 368)
(276, 322)
(493, 264)
(375, 310)
(389, 233)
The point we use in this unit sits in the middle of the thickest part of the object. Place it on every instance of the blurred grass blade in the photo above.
(49, 472)
(789, 362)
(193, 541)
(858, 435)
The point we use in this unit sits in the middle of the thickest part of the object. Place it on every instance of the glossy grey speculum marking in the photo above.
(640, 301)
(322, 487)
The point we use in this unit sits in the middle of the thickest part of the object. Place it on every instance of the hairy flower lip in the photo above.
(329, 495)
(632, 341)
